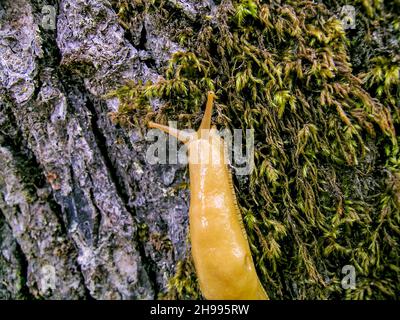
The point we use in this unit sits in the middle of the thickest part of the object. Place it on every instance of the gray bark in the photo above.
(77, 199)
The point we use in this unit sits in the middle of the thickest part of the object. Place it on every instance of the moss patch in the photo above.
(325, 189)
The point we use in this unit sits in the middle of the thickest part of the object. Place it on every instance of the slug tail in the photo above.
(179, 134)
(206, 122)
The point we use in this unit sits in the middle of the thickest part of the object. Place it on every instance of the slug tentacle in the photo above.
(181, 135)
(206, 121)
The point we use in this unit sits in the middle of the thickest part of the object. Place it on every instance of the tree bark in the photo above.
(82, 215)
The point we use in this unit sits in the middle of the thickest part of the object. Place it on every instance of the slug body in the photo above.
(220, 248)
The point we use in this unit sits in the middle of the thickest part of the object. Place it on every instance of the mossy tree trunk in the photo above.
(76, 191)
(82, 214)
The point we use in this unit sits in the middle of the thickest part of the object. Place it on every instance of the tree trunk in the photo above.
(82, 214)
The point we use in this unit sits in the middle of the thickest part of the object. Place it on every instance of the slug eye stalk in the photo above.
(181, 135)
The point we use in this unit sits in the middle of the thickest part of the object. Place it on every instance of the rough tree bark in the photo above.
(75, 190)
(82, 213)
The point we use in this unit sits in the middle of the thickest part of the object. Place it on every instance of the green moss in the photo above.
(183, 285)
(325, 189)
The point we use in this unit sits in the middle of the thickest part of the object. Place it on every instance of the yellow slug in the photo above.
(220, 248)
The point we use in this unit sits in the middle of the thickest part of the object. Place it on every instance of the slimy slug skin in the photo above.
(220, 249)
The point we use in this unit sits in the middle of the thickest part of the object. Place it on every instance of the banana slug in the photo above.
(220, 249)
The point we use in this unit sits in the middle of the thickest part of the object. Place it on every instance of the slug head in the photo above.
(205, 145)
(202, 132)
